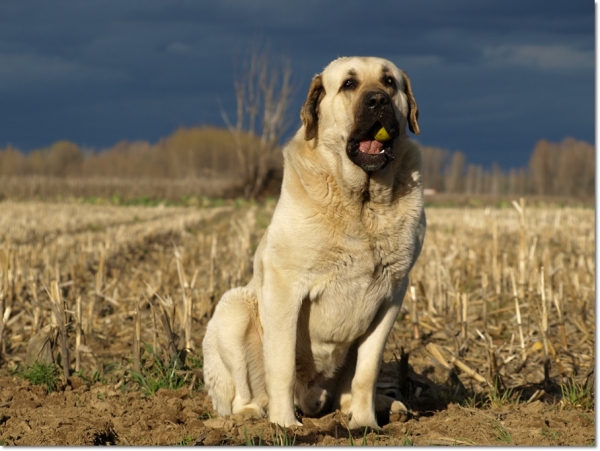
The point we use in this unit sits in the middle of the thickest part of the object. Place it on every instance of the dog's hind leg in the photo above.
(217, 378)
(241, 347)
(240, 353)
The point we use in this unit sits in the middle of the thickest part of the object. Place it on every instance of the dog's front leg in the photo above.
(280, 304)
(368, 361)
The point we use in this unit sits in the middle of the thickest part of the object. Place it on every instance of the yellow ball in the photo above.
(382, 135)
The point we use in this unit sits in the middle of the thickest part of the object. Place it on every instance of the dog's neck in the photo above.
(331, 179)
(385, 186)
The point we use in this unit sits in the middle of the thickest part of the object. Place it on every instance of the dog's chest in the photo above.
(357, 276)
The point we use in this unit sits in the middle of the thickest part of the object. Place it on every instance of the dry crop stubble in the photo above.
(500, 311)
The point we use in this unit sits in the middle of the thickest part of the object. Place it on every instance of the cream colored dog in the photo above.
(331, 270)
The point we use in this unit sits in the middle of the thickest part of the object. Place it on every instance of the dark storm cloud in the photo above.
(491, 77)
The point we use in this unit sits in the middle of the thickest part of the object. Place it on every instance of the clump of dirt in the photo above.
(80, 414)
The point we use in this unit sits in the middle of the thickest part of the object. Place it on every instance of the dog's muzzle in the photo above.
(375, 111)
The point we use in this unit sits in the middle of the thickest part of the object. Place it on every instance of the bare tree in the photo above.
(497, 179)
(12, 161)
(263, 91)
(434, 161)
(455, 174)
(471, 180)
(540, 164)
(575, 168)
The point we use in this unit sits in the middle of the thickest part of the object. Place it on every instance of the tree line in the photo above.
(566, 168)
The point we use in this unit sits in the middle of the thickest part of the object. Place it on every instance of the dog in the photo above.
(331, 271)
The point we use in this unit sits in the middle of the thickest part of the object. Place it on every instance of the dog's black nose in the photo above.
(376, 99)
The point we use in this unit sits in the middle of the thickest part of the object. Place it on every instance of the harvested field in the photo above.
(495, 343)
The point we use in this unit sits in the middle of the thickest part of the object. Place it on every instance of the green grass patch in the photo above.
(194, 361)
(282, 438)
(253, 441)
(156, 373)
(473, 401)
(499, 398)
(407, 441)
(187, 440)
(502, 435)
(363, 441)
(577, 396)
(550, 434)
(45, 375)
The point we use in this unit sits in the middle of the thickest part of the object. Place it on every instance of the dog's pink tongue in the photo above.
(371, 147)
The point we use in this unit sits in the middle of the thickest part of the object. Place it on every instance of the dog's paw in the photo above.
(251, 411)
(398, 407)
(285, 421)
(398, 412)
(363, 419)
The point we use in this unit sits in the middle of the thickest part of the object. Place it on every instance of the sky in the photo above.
(490, 77)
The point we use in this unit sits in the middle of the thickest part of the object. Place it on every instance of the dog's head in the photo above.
(364, 104)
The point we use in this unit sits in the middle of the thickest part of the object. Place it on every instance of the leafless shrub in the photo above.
(262, 90)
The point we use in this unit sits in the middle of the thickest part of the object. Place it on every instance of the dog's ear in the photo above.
(310, 110)
(413, 111)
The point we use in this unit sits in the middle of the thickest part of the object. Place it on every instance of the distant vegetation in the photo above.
(565, 169)
(214, 162)
(197, 161)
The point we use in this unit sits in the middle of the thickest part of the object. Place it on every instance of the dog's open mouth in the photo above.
(372, 150)
(372, 147)
(381, 139)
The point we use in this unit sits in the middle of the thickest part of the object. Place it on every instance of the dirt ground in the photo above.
(503, 394)
(100, 414)
(443, 409)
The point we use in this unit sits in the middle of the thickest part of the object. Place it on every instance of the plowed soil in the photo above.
(80, 414)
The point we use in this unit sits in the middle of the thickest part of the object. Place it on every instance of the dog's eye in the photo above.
(350, 83)
(389, 81)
